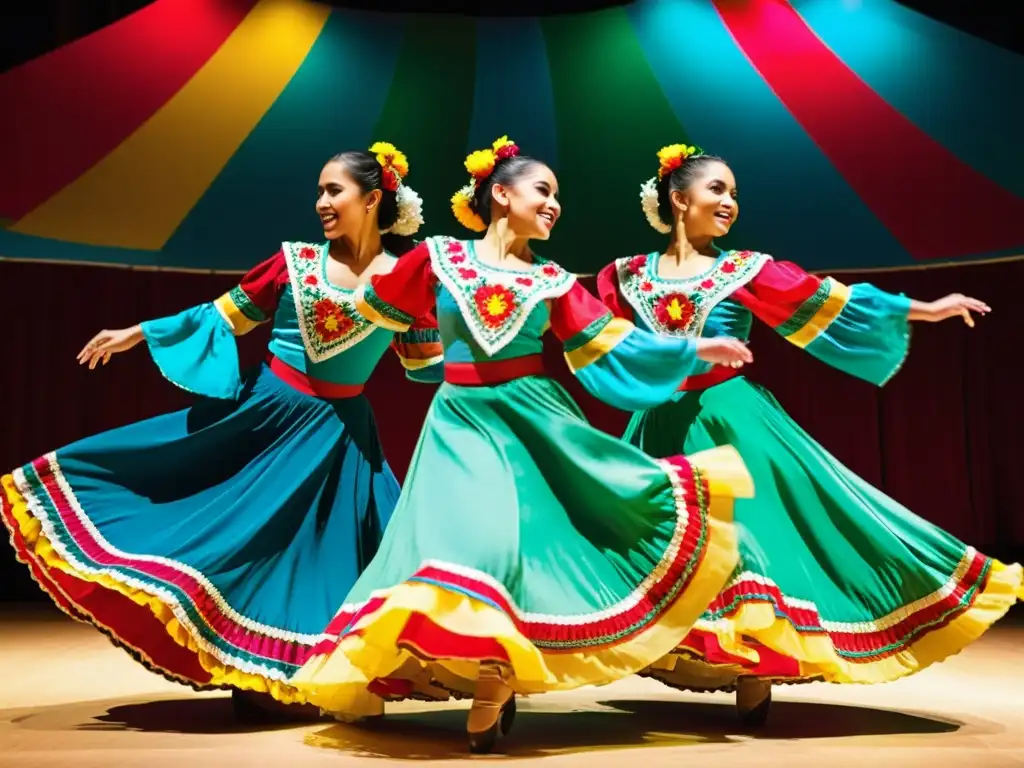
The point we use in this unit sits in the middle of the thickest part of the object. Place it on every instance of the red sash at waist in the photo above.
(493, 371)
(716, 375)
(307, 385)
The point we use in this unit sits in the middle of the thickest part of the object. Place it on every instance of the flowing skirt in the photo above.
(216, 543)
(526, 538)
(836, 581)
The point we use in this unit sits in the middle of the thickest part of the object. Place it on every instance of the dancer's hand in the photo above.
(108, 343)
(956, 304)
(724, 350)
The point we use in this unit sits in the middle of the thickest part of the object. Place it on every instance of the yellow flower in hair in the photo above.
(466, 216)
(671, 157)
(504, 141)
(390, 157)
(480, 163)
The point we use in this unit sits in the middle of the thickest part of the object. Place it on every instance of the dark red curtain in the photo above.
(939, 438)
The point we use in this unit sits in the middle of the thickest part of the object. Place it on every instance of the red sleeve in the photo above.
(575, 311)
(262, 285)
(611, 296)
(778, 291)
(405, 293)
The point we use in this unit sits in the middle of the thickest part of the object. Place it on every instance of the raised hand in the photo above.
(724, 350)
(105, 344)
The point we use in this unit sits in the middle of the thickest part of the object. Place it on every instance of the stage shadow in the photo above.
(621, 725)
(198, 716)
(213, 715)
(787, 720)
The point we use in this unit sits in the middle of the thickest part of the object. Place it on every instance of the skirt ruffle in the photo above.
(212, 544)
(526, 538)
(837, 582)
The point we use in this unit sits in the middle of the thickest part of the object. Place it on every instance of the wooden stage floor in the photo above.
(69, 698)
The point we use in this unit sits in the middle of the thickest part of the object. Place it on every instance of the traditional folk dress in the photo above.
(524, 537)
(836, 581)
(214, 544)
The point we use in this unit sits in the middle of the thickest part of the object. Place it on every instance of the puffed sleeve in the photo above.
(611, 295)
(420, 351)
(395, 300)
(196, 350)
(625, 366)
(858, 329)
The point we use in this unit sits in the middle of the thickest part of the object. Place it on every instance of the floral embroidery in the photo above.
(494, 303)
(328, 321)
(331, 321)
(674, 310)
(681, 307)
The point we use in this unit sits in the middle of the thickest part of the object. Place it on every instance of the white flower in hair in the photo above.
(410, 212)
(649, 202)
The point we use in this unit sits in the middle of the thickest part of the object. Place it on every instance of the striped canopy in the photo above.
(190, 135)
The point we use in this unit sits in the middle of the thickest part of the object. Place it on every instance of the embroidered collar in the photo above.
(494, 302)
(680, 306)
(328, 321)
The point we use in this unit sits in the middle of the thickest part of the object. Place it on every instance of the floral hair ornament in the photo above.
(394, 167)
(669, 159)
(480, 165)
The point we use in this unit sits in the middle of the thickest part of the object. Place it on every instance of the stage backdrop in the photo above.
(190, 134)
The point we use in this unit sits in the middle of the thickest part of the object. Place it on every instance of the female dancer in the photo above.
(214, 544)
(528, 552)
(836, 581)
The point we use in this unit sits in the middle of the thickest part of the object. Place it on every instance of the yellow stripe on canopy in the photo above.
(137, 195)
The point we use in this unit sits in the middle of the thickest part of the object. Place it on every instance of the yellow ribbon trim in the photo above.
(233, 316)
(816, 655)
(838, 296)
(609, 337)
(221, 675)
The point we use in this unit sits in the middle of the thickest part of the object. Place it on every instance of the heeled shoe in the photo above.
(753, 701)
(493, 712)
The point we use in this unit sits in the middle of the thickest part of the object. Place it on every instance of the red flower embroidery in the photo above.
(494, 303)
(457, 259)
(307, 253)
(527, 281)
(636, 264)
(646, 287)
(310, 280)
(674, 310)
(708, 284)
(728, 267)
(454, 247)
(467, 274)
(550, 270)
(331, 321)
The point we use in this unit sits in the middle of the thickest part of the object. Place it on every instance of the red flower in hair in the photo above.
(507, 151)
(389, 179)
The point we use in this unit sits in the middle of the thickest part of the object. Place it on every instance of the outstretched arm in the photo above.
(195, 349)
(625, 366)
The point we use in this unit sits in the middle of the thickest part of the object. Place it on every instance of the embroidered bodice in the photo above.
(316, 328)
(485, 312)
(693, 306)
